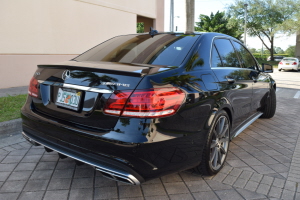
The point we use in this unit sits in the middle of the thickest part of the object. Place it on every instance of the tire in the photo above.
(270, 106)
(216, 146)
(279, 70)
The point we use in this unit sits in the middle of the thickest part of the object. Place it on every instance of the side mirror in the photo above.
(267, 68)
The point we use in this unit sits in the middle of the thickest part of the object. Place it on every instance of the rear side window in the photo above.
(215, 58)
(247, 60)
(162, 49)
(227, 53)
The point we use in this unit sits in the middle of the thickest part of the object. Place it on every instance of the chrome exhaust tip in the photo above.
(118, 177)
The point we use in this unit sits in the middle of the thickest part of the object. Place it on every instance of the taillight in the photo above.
(281, 63)
(156, 102)
(33, 89)
(294, 63)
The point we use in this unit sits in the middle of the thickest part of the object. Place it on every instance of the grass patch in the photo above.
(10, 107)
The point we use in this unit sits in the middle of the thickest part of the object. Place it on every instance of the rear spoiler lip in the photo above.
(117, 72)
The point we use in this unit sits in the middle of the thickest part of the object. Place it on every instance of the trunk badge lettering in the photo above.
(117, 84)
(66, 74)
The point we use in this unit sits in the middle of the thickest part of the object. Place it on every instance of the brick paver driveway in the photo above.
(263, 163)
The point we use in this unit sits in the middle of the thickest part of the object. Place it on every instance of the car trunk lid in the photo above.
(91, 84)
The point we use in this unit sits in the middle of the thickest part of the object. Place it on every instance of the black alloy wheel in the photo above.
(216, 149)
(219, 143)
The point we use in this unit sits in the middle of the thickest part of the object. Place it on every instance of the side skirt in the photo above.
(247, 123)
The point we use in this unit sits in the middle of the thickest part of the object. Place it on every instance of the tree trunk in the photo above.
(190, 16)
(272, 48)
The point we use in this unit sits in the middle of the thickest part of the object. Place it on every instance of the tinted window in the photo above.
(246, 58)
(227, 53)
(162, 49)
(215, 58)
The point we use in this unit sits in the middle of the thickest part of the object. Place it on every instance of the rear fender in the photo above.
(221, 104)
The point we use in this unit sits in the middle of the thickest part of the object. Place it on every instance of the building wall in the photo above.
(159, 21)
(48, 31)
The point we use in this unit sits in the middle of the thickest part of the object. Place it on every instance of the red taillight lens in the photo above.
(294, 63)
(157, 102)
(116, 102)
(33, 89)
(281, 63)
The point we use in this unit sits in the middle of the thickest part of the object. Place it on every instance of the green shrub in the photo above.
(265, 56)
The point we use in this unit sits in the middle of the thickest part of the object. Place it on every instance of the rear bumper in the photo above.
(106, 167)
(288, 67)
(132, 163)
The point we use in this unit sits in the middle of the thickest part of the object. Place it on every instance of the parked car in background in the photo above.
(289, 63)
(276, 58)
(141, 106)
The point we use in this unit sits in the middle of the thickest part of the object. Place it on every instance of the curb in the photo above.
(7, 128)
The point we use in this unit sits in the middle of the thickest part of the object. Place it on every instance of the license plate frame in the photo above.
(68, 98)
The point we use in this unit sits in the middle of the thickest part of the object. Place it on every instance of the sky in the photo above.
(206, 7)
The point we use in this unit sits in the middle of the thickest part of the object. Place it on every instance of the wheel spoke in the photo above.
(219, 156)
(217, 129)
(212, 154)
(216, 158)
(222, 150)
(213, 144)
(224, 131)
(223, 140)
(221, 124)
(215, 133)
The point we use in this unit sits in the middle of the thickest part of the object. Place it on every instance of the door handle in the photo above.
(230, 79)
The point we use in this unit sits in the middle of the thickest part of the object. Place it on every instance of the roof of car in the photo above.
(194, 33)
(199, 33)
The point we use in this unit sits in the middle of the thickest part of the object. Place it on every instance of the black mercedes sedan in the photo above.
(141, 106)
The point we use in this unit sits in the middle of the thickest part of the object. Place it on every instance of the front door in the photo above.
(260, 79)
(234, 80)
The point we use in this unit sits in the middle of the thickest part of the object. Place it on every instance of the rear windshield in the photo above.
(162, 49)
(289, 59)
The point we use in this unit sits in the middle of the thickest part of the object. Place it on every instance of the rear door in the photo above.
(234, 81)
(260, 79)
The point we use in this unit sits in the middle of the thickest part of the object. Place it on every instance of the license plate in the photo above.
(287, 63)
(68, 98)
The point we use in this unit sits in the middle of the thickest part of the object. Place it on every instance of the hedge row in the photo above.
(265, 56)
